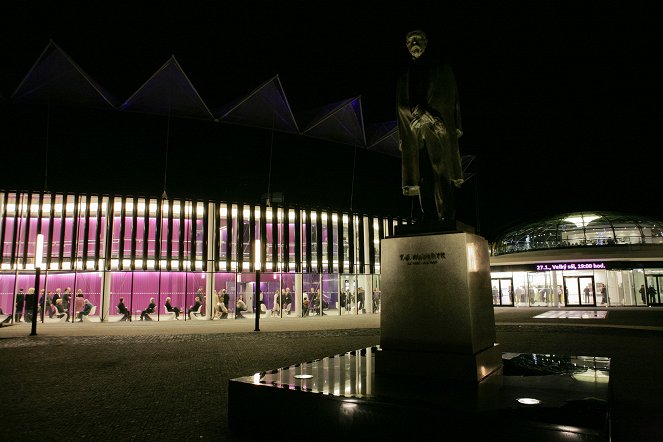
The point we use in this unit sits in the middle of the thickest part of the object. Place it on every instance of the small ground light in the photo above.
(528, 401)
(303, 376)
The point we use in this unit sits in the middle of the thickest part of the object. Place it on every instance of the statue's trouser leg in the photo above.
(429, 193)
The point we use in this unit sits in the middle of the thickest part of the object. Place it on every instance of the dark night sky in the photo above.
(560, 100)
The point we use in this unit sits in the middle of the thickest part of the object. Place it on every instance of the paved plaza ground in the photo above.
(169, 381)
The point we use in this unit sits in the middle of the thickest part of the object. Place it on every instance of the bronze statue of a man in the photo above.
(429, 126)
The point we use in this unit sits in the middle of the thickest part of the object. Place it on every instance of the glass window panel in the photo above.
(7, 287)
(335, 241)
(128, 228)
(195, 287)
(165, 213)
(200, 230)
(235, 236)
(291, 240)
(89, 285)
(152, 239)
(330, 291)
(223, 234)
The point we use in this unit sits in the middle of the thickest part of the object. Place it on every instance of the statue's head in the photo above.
(416, 42)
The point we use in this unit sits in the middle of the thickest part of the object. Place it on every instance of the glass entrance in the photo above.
(653, 289)
(579, 290)
(502, 291)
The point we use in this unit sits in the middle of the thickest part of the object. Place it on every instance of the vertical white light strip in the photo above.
(39, 252)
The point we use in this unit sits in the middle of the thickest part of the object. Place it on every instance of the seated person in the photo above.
(87, 307)
(240, 306)
(225, 297)
(170, 308)
(220, 310)
(144, 315)
(122, 309)
(194, 308)
(305, 303)
(276, 308)
(60, 311)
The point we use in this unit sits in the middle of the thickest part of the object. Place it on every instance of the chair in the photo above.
(120, 315)
(167, 315)
(198, 314)
(86, 318)
(55, 318)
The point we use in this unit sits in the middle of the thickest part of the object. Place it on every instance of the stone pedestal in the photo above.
(437, 372)
(437, 312)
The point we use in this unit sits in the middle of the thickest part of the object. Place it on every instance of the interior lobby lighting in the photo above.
(581, 221)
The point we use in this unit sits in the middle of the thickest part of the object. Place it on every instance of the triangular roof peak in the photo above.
(341, 122)
(266, 106)
(168, 92)
(57, 79)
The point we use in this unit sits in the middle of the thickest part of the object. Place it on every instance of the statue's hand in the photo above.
(423, 118)
(410, 190)
(458, 182)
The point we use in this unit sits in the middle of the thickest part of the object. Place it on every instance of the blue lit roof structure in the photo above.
(341, 122)
(266, 107)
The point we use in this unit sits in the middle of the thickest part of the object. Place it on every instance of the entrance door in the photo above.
(653, 289)
(502, 291)
(579, 290)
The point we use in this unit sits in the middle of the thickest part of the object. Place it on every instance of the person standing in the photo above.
(643, 294)
(587, 292)
(79, 302)
(226, 302)
(361, 300)
(651, 294)
(66, 299)
(20, 300)
(429, 126)
(377, 294)
(29, 303)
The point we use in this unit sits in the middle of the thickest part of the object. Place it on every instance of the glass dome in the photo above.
(580, 229)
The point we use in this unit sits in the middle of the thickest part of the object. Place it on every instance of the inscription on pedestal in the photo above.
(436, 296)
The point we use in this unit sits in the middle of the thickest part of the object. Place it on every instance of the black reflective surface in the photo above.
(535, 397)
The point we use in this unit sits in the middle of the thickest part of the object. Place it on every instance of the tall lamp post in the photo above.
(38, 262)
(257, 265)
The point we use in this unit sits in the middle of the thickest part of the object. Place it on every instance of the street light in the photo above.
(257, 266)
(39, 252)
